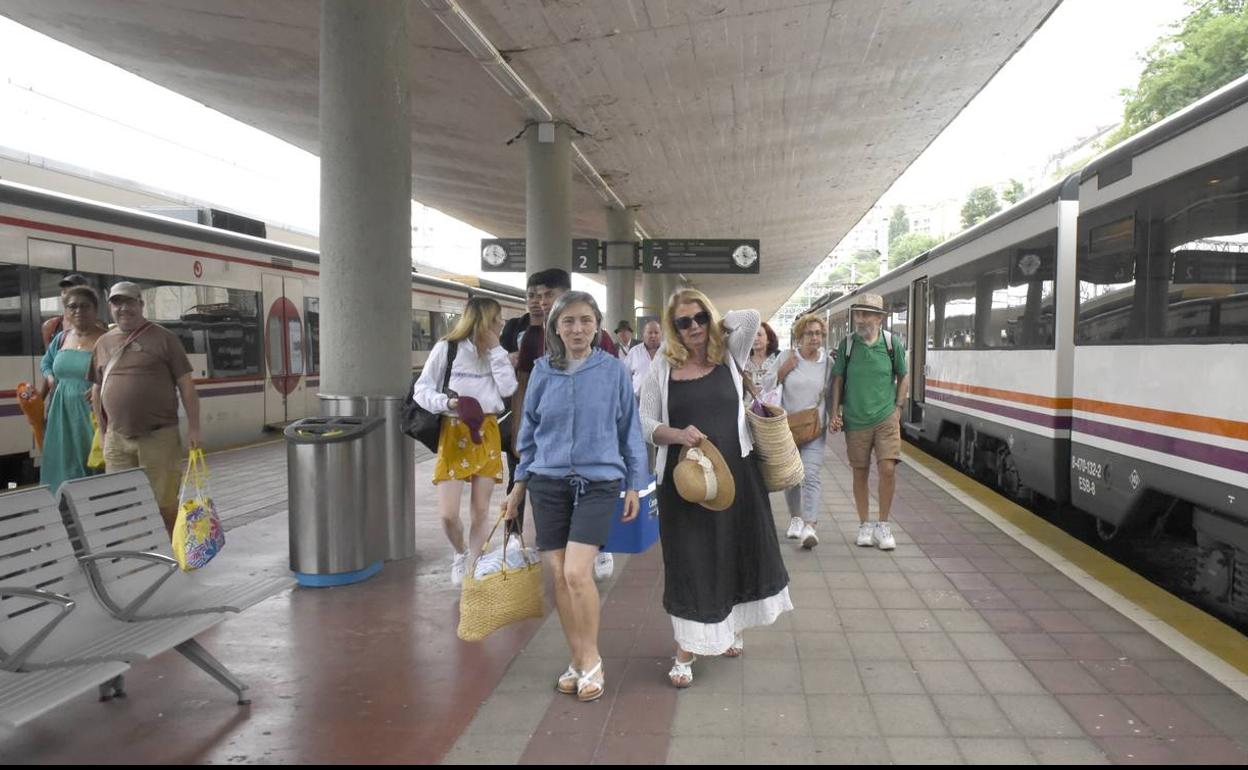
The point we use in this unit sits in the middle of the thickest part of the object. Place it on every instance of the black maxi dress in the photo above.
(723, 571)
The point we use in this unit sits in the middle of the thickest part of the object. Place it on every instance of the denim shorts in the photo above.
(572, 510)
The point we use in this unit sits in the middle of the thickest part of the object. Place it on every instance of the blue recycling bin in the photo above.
(642, 532)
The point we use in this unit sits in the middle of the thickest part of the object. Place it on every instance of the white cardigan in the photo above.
(742, 325)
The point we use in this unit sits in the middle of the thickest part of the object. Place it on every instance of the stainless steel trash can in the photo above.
(400, 505)
(335, 469)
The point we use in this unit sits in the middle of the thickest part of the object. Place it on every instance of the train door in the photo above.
(285, 384)
(918, 348)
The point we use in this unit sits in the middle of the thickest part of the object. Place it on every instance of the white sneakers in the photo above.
(604, 566)
(809, 538)
(458, 565)
(883, 537)
(876, 533)
(795, 528)
(866, 530)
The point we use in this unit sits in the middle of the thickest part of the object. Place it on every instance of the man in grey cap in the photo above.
(139, 369)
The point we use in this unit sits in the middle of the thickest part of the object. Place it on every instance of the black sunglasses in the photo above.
(686, 322)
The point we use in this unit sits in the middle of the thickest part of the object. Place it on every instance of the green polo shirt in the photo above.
(870, 388)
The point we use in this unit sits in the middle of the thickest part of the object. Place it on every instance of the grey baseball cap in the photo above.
(125, 289)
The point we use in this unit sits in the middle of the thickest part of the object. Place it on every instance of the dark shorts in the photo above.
(564, 513)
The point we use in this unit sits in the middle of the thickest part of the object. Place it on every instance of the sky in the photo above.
(65, 105)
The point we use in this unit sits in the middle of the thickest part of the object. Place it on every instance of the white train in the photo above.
(1090, 344)
(246, 309)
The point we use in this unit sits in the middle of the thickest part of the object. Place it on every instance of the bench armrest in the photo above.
(13, 661)
(130, 611)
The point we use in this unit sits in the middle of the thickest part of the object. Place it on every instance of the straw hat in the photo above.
(872, 303)
(703, 477)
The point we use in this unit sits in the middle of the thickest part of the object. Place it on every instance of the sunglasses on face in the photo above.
(686, 322)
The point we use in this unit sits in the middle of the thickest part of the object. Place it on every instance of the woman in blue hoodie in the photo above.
(579, 444)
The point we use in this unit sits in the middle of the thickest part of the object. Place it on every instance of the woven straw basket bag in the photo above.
(773, 439)
(501, 598)
(782, 465)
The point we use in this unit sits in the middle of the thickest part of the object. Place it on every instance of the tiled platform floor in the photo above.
(960, 646)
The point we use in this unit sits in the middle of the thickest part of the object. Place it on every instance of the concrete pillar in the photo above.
(653, 298)
(621, 268)
(366, 198)
(548, 199)
(366, 245)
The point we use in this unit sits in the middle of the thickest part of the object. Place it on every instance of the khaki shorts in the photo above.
(884, 437)
(159, 454)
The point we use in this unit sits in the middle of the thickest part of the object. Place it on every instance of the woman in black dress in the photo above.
(723, 572)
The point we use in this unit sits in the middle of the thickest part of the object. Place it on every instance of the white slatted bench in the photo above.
(24, 696)
(122, 541)
(51, 620)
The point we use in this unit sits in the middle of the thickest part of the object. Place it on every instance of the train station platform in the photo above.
(987, 636)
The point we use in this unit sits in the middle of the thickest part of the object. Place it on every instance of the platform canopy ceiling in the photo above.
(783, 120)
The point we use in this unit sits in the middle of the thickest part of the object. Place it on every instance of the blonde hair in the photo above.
(675, 350)
(479, 315)
(799, 326)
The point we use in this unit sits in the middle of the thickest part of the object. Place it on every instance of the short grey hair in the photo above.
(556, 351)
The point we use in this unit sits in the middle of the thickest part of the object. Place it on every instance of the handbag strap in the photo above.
(746, 382)
(116, 356)
(452, 349)
(485, 546)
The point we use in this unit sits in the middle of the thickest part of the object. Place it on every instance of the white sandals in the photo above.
(590, 685)
(566, 683)
(681, 674)
(738, 647)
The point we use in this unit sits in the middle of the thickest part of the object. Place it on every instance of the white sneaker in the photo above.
(883, 537)
(458, 565)
(795, 528)
(866, 531)
(604, 566)
(809, 538)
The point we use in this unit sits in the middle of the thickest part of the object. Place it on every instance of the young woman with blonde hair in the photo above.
(723, 572)
(469, 445)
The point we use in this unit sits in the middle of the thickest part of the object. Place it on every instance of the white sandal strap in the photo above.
(588, 676)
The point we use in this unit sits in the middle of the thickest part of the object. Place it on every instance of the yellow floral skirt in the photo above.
(459, 459)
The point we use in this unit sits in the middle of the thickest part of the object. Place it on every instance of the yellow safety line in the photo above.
(1197, 625)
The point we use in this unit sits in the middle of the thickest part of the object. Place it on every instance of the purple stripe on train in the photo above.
(1223, 457)
(1055, 421)
(254, 388)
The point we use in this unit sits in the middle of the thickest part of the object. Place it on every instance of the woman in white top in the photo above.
(763, 361)
(723, 572)
(469, 444)
(803, 376)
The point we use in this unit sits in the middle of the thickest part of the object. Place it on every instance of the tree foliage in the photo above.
(1013, 192)
(909, 246)
(898, 224)
(981, 203)
(1209, 50)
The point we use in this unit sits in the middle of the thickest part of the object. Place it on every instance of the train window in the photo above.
(442, 324)
(951, 321)
(898, 306)
(1198, 255)
(838, 329)
(422, 331)
(312, 347)
(13, 342)
(1016, 304)
(1106, 271)
(222, 324)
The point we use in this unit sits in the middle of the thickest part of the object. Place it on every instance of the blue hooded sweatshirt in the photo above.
(583, 423)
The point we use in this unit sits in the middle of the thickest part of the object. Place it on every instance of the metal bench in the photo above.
(24, 696)
(121, 540)
(50, 620)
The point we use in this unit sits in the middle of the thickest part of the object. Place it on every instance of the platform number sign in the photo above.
(585, 257)
(700, 255)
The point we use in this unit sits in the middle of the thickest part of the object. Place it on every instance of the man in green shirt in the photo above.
(868, 391)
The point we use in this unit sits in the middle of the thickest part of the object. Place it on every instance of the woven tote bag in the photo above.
(500, 598)
(781, 463)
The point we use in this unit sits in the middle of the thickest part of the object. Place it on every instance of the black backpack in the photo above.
(418, 422)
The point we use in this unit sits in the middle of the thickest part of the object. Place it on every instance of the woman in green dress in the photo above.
(67, 440)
